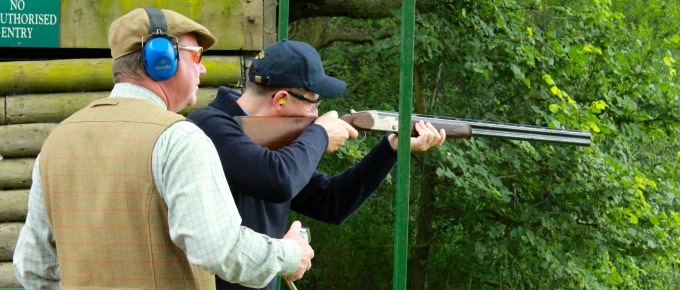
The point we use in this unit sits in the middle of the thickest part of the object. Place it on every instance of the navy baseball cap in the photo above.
(294, 64)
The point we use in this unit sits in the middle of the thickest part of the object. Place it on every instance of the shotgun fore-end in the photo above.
(383, 122)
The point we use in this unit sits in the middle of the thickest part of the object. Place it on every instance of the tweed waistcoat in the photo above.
(109, 222)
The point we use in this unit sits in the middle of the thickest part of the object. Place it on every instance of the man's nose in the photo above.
(202, 69)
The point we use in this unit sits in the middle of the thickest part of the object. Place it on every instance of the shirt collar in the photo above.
(128, 90)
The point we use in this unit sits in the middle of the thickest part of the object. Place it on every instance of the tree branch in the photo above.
(363, 9)
(320, 32)
(359, 9)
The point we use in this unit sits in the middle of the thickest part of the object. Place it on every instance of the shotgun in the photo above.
(277, 132)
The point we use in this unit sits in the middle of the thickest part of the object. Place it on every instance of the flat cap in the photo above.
(126, 32)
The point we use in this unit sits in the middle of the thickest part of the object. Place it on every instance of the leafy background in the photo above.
(497, 214)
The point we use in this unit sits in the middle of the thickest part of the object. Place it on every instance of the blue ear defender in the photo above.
(160, 58)
(159, 52)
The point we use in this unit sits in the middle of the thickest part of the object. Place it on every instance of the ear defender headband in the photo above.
(159, 53)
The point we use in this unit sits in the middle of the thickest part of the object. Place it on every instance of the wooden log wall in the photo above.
(7, 276)
(19, 78)
(32, 105)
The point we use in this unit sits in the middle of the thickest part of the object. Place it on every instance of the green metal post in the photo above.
(283, 19)
(404, 144)
(283, 33)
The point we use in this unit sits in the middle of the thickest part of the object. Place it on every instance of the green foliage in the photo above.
(515, 214)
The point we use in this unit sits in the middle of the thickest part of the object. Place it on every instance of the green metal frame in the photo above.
(283, 19)
(404, 144)
(282, 33)
(404, 140)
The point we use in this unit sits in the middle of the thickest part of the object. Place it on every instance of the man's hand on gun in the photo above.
(338, 130)
(307, 251)
(428, 137)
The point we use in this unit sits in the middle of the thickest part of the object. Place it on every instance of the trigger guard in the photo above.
(363, 138)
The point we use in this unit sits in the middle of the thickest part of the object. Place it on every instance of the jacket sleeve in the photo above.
(273, 176)
(334, 199)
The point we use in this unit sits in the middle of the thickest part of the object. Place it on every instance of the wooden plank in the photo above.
(3, 121)
(237, 24)
(13, 205)
(78, 75)
(15, 173)
(44, 108)
(9, 234)
(23, 140)
(270, 20)
(53, 108)
(221, 70)
(8, 278)
(21, 77)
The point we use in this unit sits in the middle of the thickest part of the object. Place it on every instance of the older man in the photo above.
(128, 194)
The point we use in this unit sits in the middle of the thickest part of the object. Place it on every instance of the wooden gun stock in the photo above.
(273, 132)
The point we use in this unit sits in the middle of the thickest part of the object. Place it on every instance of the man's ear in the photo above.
(278, 100)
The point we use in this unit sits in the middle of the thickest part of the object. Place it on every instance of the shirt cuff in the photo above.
(292, 255)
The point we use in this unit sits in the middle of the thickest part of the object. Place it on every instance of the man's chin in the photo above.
(184, 104)
(191, 101)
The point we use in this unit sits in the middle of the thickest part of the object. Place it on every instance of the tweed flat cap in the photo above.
(126, 32)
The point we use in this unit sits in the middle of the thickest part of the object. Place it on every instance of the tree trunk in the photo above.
(16, 173)
(420, 252)
(417, 266)
(23, 140)
(13, 205)
(419, 88)
(24, 77)
(9, 234)
(8, 278)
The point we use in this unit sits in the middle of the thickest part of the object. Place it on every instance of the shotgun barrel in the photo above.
(505, 130)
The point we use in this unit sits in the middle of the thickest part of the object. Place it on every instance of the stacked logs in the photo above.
(34, 97)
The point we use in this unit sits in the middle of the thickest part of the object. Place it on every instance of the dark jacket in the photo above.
(266, 184)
